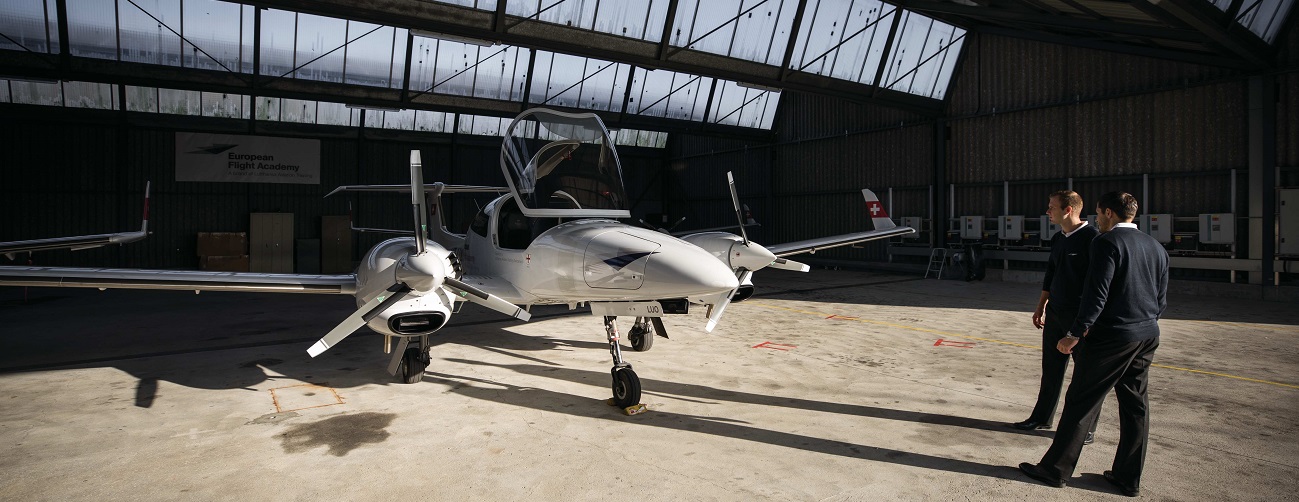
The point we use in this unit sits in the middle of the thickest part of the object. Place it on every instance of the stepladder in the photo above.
(937, 258)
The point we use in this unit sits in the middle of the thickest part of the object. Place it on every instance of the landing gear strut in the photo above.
(626, 385)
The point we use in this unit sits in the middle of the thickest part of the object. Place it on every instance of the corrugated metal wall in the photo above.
(1029, 113)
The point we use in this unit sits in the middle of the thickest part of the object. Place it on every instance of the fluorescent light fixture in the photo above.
(453, 38)
(758, 87)
(375, 108)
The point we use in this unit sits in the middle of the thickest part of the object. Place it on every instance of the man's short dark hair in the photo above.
(1122, 203)
(1069, 198)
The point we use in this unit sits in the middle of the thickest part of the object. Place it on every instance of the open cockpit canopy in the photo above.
(563, 165)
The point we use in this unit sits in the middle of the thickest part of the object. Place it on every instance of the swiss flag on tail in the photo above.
(879, 217)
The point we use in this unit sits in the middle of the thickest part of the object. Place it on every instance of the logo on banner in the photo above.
(246, 159)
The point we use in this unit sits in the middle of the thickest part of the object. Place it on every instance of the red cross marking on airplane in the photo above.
(877, 210)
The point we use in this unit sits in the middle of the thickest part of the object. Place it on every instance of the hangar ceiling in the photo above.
(656, 65)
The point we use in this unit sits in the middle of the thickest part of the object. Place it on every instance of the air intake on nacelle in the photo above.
(417, 323)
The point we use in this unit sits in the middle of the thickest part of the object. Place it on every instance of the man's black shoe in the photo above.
(1036, 472)
(1124, 489)
(1091, 438)
(1031, 424)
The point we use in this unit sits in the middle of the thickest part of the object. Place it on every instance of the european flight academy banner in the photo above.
(246, 159)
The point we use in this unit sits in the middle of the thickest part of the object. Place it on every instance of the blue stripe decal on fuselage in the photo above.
(618, 262)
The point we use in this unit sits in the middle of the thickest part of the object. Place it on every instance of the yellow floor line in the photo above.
(1002, 342)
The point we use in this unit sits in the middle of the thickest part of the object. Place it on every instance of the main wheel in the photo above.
(412, 366)
(626, 388)
(641, 338)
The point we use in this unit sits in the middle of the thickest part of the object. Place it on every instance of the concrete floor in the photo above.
(831, 385)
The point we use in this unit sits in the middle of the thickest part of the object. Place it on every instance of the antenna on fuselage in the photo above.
(417, 200)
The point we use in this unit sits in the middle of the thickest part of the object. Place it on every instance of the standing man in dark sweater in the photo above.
(1061, 292)
(1123, 297)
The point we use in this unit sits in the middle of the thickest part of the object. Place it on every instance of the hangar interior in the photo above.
(961, 115)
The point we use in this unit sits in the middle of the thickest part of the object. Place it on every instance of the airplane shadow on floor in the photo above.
(558, 402)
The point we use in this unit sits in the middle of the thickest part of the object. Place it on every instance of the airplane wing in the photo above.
(181, 280)
(427, 188)
(884, 228)
(80, 241)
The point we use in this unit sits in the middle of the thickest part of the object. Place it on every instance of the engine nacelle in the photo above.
(743, 292)
(414, 315)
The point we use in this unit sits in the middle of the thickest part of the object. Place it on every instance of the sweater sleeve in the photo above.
(1096, 289)
(1050, 263)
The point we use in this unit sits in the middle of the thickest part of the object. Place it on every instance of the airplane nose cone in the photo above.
(751, 256)
(688, 271)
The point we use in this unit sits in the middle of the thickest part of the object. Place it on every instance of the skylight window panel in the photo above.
(435, 121)
(737, 105)
(369, 58)
(663, 93)
(762, 30)
(150, 31)
(278, 29)
(89, 95)
(141, 99)
(641, 20)
(178, 102)
(707, 28)
(865, 34)
(1264, 17)
(92, 29)
(297, 110)
(403, 120)
(336, 114)
(473, 4)
(920, 54)
(481, 125)
(466, 69)
(577, 14)
(212, 35)
(577, 82)
(319, 54)
(36, 93)
(25, 22)
(822, 29)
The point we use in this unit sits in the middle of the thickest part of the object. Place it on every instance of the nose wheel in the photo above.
(626, 385)
(413, 360)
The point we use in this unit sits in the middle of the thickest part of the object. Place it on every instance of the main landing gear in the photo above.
(626, 385)
(642, 333)
(410, 359)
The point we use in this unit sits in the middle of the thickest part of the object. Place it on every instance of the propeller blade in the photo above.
(417, 200)
(720, 307)
(735, 201)
(784, 264)
(362, 315)
(488, 300)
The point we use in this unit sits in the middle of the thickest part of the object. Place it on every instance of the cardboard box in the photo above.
(224, 263)
(222, 243)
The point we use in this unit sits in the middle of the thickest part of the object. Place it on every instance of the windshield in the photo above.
(563, 164)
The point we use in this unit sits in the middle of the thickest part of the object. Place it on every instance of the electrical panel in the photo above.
(1010, 228)
(1048, 229)
(1159, 226)
(1217, 228)
(1288, 222)
(913, 222)
(971, 227)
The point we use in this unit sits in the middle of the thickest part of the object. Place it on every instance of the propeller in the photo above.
(423, 271)
(735, 201)
(715, 314)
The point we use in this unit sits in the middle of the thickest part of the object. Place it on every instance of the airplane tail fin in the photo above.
(879, 217)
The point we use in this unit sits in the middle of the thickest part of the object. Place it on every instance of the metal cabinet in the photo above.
(270, 242)
(336, 244)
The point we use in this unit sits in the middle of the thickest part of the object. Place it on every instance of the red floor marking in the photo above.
(769, 345)
(950, 343)
(836, 316)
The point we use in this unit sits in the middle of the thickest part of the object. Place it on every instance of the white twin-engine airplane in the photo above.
(553, 238)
